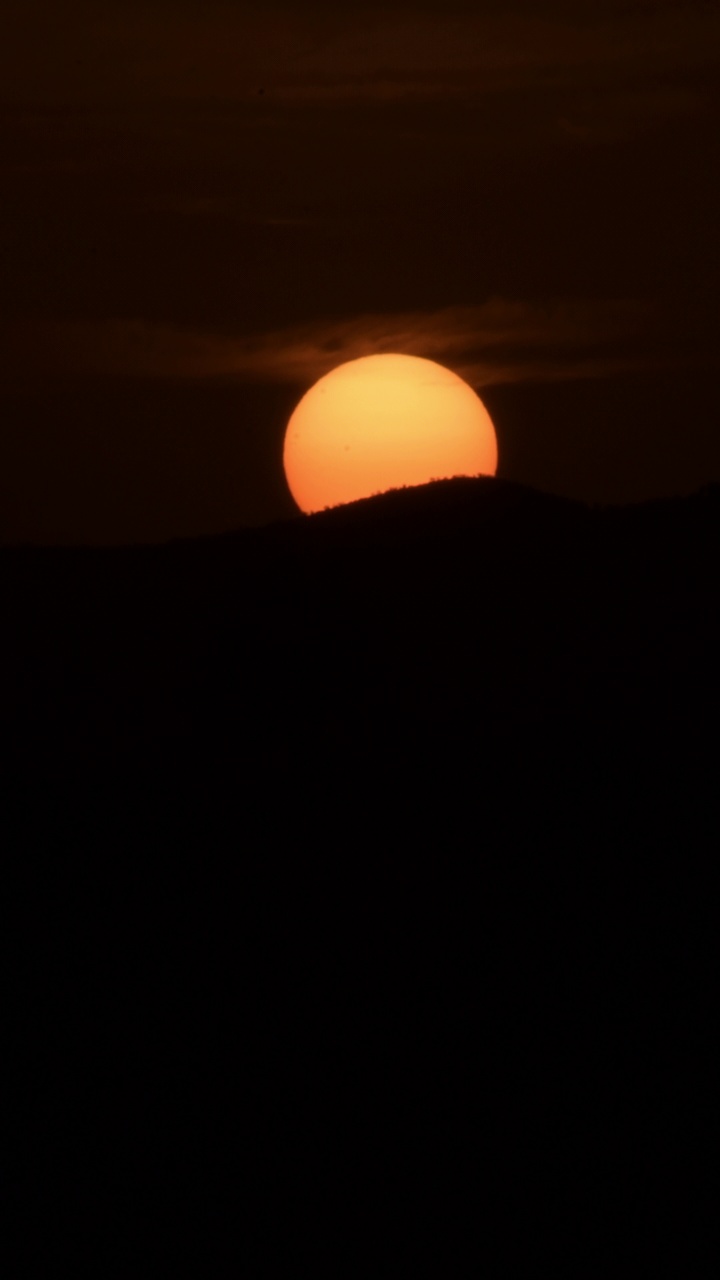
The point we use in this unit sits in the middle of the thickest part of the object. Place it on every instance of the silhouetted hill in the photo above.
(361, 881)
(464, 608)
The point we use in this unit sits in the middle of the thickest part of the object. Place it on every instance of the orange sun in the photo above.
(384, 422)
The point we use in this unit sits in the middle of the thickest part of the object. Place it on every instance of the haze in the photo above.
(205, 208)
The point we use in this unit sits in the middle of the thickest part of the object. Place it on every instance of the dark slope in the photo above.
(471, 599)
(361, 875)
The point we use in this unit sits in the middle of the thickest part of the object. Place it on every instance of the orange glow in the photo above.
(384, 422)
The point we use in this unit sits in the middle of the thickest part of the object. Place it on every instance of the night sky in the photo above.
(205, 206)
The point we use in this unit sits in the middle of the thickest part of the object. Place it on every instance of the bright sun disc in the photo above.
(384, 422)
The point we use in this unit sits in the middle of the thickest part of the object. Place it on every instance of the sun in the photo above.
(384, 422)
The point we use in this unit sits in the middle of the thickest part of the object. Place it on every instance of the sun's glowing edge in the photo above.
(381, 423)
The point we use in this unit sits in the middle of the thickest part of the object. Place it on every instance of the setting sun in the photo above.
(384, 422)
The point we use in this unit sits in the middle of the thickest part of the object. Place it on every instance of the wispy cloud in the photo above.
(127, 50)
(500, 341)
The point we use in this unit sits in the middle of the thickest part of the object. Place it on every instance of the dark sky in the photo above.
(205, 205)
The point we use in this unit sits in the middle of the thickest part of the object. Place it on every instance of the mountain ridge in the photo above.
(406, 590)
(353, 876)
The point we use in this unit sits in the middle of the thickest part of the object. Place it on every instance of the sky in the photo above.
(206, 206)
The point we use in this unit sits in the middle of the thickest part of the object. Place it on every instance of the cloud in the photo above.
(137, 50)
(500, 341)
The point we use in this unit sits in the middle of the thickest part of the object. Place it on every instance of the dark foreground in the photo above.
(361, 888)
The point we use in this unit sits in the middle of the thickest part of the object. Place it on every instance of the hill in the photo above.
(361, 882)
(476, 600)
